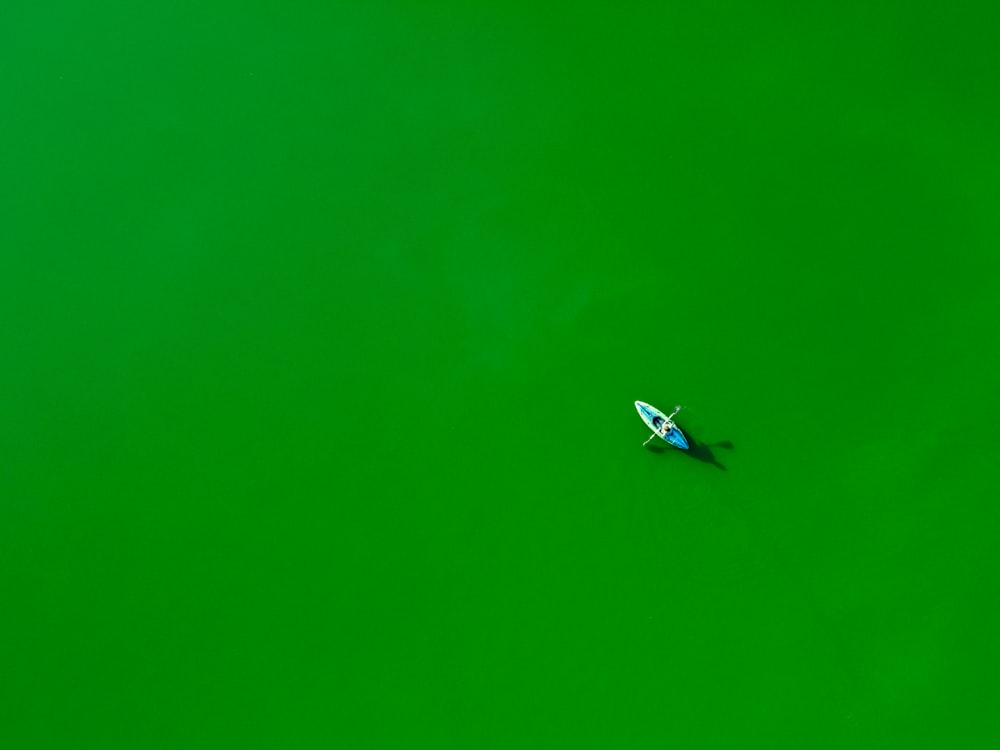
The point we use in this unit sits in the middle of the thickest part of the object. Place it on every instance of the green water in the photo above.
(321, 326)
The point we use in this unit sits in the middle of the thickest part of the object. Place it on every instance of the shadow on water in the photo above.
(697, 449)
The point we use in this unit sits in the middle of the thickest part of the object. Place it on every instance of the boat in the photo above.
(662, 426)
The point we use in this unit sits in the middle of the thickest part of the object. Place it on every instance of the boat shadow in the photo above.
(697, 449)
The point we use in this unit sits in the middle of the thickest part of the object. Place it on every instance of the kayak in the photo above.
(662, 425)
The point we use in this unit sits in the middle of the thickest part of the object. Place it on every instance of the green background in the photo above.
(321, 326)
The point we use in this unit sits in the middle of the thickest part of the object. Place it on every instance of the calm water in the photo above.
(321, 327)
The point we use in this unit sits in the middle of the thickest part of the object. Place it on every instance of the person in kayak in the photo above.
(662, 425)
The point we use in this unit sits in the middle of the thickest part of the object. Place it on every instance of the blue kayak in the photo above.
(662, 425)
